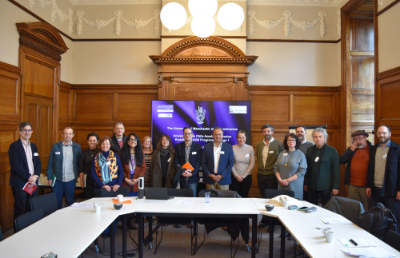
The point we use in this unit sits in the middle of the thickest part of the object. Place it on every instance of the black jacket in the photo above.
(194, 159)
(346, 159)
(115, 145)
(85, 162)
(19, 166)
(391, 183)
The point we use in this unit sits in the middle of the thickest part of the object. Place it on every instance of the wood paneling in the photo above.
(9, 120)
(204, 91)
(269, 107)
(135, 107)
(38, 79)
(92, 106)
(315, 108)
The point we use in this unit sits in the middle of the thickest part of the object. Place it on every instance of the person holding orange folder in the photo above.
(188, 161)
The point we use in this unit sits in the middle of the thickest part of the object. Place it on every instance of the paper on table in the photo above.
(368, 252)
(333, 221)
(184, 203)
(124, 200)
(82, 205)
(361, 242)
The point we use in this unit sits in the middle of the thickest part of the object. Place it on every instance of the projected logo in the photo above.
(200, 115)
(237, 110)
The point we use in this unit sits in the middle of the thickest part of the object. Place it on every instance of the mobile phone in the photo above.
(302, 208)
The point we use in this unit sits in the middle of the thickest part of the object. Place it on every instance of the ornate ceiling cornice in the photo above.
(295, 2)
(113, 2)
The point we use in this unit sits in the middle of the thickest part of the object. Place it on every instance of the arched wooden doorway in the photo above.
(203, 69)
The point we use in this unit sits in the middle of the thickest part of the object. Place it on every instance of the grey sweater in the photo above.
(296, 164)
(244, 160)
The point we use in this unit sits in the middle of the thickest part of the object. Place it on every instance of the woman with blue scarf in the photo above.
(107, 171)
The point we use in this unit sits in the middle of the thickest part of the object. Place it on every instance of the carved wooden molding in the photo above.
(42, 38)
(195, 50)
(388, 73)
(9, 68)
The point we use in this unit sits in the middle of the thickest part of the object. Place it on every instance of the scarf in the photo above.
(164, 152)
(106, 172)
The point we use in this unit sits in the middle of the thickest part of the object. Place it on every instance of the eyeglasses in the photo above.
(26, 131)
(187, 133)
(291, 140)
(133, 140)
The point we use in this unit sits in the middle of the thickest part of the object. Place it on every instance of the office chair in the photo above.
(393, 239)
(46, 202)
(268, 194)
(348, 208)
(27, 219)
(231, 223)
(170, 219)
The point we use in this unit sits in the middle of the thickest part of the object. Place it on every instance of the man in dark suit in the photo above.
(188, 151)
(217, 162)
(25, 168)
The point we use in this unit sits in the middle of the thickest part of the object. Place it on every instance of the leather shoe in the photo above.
(131, 225)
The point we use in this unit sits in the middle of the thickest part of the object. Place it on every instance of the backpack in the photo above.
(377, 221)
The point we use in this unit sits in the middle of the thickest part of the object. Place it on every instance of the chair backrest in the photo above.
(215, 193)
(271, 193)
(1, 235)
(28, 219)
(393, 239)
(180, 192)
(348, 208)
(122, 190)
(46, 202)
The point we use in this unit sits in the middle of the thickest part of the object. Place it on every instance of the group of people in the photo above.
(312, 171)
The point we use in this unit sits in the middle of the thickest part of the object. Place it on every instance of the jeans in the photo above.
(194, 188)
(66, 189)
(242, 188)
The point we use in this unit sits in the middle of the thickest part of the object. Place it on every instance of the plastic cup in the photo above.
(120, 197)
(97, 207)
(325, 230)
(329, 236)
(284, 203)
(207, 195)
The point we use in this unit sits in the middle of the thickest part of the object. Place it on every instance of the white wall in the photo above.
(389, 39)
(115, 62)
(9, 16)
(66, 62)
(294, 64)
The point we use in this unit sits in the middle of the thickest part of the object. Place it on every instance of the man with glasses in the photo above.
(188, 151)
(25, 168)
(356, 159)
(383, 182)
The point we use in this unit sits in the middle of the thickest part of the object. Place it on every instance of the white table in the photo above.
(303, 227)
(218, 207)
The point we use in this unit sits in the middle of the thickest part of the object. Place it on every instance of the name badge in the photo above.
(57, 153)
(271, 152)
(36, 154)
(247, 155)
(108, 163)
(285, 154)
(194, 153)
(222, 152)
(384, 156)
(169, 160)
(316, 159)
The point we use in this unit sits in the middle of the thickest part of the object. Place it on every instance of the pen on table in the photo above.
(353, 242)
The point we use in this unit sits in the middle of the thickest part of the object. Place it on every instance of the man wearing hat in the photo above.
(357, 157)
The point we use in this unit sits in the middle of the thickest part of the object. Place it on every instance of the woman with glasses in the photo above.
(243, 165)
(162, 168)
(133, 163)
(291, 166)
(147, 145)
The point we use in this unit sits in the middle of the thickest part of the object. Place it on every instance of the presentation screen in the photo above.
(170, 117)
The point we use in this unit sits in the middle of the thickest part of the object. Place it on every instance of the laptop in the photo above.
(153, 193)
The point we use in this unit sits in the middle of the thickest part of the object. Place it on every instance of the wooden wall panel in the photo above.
(91, 106)
(64, 105)
(390, 93)
(10, 102)
(204, 91)
(135, 107)
(38, 79)
(269, 107)
(313, 109)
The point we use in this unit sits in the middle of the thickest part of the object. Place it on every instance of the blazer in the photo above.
(225, 165)
(391, 183)
(194, 159)
(20, 175)
(56, 160)
(140, 171)
(115, 145)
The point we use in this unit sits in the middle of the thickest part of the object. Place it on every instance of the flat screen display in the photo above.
(170, 117)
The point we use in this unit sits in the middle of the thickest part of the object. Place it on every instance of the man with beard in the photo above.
(268, 151)
(301, 133)
(383, 183)
(357, 158)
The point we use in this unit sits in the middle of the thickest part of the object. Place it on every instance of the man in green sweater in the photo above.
(267, 153)
(323, 172)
